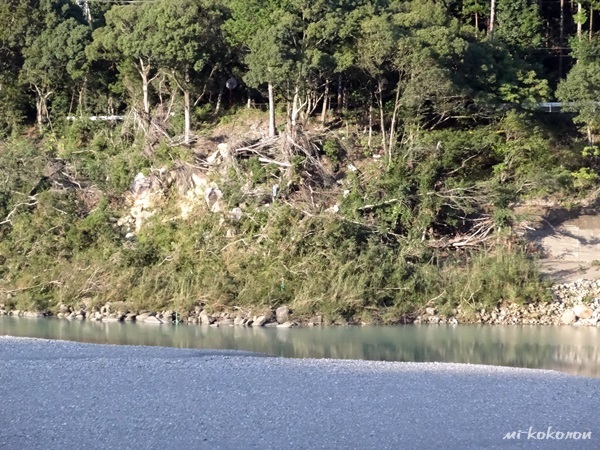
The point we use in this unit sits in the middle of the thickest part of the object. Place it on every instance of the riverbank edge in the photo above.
(576, 303)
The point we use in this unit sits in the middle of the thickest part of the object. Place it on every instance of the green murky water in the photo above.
(569, 349)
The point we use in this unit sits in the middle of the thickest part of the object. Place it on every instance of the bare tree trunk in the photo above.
(187, 108)
(579, 22)
(591, 22)
(477, 22)
(144, 72)
(325, 102)
(40, 120)
(381, 115)
(345, 99)
(393, 124)
(81, 99)
(219, 101)
(41, 107)
(340, 91)
(72, 103)
(492, 19)
(271, 111)
(370, 119)
(298, 107)
(562, 38)
(295, 109)
(85, 6)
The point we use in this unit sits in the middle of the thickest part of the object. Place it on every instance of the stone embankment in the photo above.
(280, 318)
(576, 303)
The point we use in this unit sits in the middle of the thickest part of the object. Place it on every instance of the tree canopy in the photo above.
(420, 63)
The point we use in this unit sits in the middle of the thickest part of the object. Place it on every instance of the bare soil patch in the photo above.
(568, 240)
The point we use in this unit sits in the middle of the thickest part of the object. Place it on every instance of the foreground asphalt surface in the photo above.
(64, 395)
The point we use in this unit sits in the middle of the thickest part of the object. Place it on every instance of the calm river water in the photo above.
(570, 349)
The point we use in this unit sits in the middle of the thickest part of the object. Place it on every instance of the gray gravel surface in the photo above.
(65, 395)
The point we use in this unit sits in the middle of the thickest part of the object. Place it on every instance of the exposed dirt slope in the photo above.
(569, 242)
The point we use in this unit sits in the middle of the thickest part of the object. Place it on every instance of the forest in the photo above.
(396, 139)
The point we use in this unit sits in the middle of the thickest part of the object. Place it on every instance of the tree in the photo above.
(409, 53)
(186, 42)
(492, 21)
(375, 50)
(54, 60)
(254, 29)
(126, 40)
(477, 9)
(294, 48)
(580, 91)
(519, 24)
(15, 21)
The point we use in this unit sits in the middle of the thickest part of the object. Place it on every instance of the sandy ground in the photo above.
(64, 395)
(570, 245)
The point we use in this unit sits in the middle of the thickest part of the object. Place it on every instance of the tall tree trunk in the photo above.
(381, 115)
(370, 119)
(591, 22)
(41, 106)
(393, 124)
(309, 104)
(187, 107)
(492, 19)
(144, 72)
(39, 118)
(340, 92)
(562, 38)
(325, 102)
(81, 99)
(295, 108)
(85, 6)
(219, 101)
(187, 113)
(271, 111)
(476, 22)
(579, 22)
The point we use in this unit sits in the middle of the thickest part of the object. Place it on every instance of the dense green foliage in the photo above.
(432, 106)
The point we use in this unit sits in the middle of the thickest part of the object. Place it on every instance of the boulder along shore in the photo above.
(575, 303)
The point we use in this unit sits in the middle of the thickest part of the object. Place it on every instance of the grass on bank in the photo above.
(364, 264)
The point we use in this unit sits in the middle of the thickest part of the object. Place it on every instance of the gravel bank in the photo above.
(63, 395)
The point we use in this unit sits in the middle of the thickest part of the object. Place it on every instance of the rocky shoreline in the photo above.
(576, 303)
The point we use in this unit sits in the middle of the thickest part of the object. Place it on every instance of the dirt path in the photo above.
(570, 244)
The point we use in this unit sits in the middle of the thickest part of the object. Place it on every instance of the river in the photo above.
(575, 350)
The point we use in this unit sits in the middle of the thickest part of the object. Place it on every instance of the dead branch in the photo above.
(16, 207)
(378, 205)
(272, 161)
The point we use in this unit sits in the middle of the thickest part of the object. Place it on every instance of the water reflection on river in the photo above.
(570, 349)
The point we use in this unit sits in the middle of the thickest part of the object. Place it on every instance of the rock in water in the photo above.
(259, 321)
(205, 319)
(152, 319)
